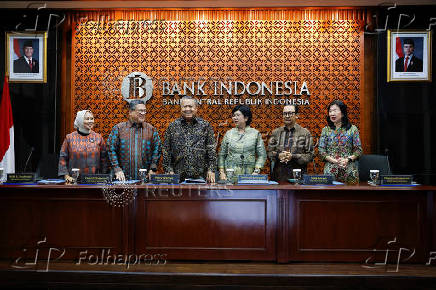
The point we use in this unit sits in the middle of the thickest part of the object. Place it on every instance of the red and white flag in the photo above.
(7, 152)
(17, 53)
(398, 48)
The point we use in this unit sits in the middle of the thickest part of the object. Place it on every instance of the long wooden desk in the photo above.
(283, 223)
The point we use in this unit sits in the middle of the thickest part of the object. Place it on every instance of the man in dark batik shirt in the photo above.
(134, 144)
(189, 146)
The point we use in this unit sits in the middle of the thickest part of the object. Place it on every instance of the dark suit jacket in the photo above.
(415, 65)
(21, 66)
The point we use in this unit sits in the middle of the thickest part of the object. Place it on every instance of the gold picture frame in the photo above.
(409, 56)
(26, 57)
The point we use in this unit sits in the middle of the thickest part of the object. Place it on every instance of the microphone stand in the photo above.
(28, 158)
(243, 166)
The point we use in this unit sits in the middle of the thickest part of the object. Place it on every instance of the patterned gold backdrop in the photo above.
(324, 53)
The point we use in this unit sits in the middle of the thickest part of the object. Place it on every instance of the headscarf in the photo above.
(78, 122)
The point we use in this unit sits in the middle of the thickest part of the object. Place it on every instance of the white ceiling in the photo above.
(208, 3)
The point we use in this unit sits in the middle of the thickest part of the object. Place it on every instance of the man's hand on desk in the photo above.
(210, 176)
(69, 179)
(150, 173)
(120, 176)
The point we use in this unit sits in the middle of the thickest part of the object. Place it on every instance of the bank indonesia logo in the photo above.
(137, 85)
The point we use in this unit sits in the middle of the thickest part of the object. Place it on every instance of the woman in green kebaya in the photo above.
(242, 148)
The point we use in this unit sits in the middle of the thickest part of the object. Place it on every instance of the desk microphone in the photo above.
(28, 158)
(242, 159)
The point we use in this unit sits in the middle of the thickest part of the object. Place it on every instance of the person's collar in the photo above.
(409, 56)
(27, 59)
(83, 134)
(290, 129)
(134, 125)
(194, 120)
(245, 129)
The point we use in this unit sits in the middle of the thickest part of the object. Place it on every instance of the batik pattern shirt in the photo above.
(189, 148)
(342, 143)
(86, 152)
(133, 146)
(242, 152)
(296, 140)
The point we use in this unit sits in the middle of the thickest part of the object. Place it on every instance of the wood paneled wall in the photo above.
(327, 50)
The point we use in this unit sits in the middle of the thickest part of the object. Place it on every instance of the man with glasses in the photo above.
(289, 147)
(134, 144)
(189, 146)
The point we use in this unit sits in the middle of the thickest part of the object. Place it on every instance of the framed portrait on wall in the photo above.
(26, 57)
(409, 55)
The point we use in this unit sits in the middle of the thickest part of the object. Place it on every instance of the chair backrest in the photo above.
(48, 166)
(371, 161)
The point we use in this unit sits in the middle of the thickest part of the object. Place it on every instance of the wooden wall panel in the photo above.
(369, 97)
(282, 223)
(348, 227)
(65, 222)
(327, 54)
(241, 226)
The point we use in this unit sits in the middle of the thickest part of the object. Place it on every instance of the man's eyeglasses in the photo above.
(141, 111)
(290, 114)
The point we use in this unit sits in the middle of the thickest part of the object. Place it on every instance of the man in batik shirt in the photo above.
(290, 146)
(189, 146)
(134, 144)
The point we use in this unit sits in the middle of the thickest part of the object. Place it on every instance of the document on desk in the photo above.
(126, 182)
(194, 181)
(51, 181)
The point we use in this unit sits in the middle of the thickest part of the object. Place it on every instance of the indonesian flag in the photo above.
(7, 152)
(398, 48)
(17, 53)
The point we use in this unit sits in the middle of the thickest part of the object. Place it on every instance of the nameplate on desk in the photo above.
(252, 179)
(317, 179)
(95, 178)
(396, 179)
(21, 178)
(165, 178)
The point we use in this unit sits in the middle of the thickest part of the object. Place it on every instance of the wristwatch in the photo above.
(257, 170)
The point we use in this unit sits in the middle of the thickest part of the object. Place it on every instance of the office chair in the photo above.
(372, 161)
(48, 166)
